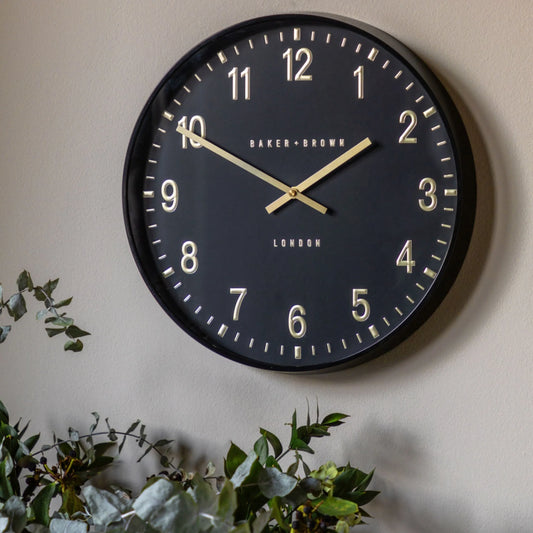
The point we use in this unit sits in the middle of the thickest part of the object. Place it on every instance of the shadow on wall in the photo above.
(403, 506)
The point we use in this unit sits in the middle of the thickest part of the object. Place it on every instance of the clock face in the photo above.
(299, 192)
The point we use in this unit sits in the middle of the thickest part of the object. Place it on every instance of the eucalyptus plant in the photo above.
(268, 489)
(58, 322)
(255, 493)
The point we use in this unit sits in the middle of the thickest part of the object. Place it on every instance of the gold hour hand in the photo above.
(290, 192)
(319, 175)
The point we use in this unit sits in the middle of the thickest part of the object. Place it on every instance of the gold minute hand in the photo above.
(319, 175)
(251, 169)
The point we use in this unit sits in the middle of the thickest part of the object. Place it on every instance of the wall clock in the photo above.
(299, 192)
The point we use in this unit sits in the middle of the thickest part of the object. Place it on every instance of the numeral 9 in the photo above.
(169, 193)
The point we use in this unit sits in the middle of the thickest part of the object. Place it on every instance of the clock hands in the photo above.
(319, 175)
(290, 192)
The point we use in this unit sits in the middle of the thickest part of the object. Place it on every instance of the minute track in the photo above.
(398, 218)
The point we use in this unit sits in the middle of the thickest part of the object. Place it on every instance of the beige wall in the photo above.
(446, 418)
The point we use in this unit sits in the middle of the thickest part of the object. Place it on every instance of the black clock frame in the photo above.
(134, 174)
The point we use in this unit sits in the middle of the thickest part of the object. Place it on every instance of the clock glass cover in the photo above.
(299, 192)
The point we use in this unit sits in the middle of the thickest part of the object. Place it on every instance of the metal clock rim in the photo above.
(461, 148)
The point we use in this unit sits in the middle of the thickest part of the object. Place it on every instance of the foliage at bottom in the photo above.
(255, 494)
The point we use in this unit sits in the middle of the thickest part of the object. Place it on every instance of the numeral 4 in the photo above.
(405, 259)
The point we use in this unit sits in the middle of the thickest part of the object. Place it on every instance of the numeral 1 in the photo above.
(359, 74)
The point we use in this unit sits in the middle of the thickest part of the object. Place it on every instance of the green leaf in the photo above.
(342, 527)
(4, 415)
(62, 321)
(241, 528)
(74, 332)
(274, 442)
(261, 449)
(105, 507)
(95, 424)
(4, 330)
(298, 444)
(73, 435)
(244, 470)
(15, 509)
(30, 442)
(50, 286)
(16, 306)
(132, 428)
(167, 508)
(277, 513)
(39, 294)
(311, 485)
(24, 281)
(73, 346)
(63, 303)
(262, 519)
(336, 507)
(41, 504)
(52, 332)
(273, 483)
(6, 467)
(334, 419)
(162, 442)
(233, 459)
(42, 313)
(70, 503)
(58, 525)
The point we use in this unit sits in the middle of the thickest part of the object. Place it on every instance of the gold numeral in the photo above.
(234, 75)
(359, 73)
(241, 293)
(291, 58)
(429, 187)
(405, 259)
(361, 307)
(409, 117)
(169, 193)
(196, 125)
(297, 323)
(189, 261)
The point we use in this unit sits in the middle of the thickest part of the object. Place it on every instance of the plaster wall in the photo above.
(446, 418)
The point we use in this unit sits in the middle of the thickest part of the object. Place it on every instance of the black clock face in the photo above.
(299, 193)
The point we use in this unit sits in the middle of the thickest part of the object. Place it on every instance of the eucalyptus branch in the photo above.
(16, 308)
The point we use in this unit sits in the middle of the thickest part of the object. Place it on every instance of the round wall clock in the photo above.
(299, 192)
